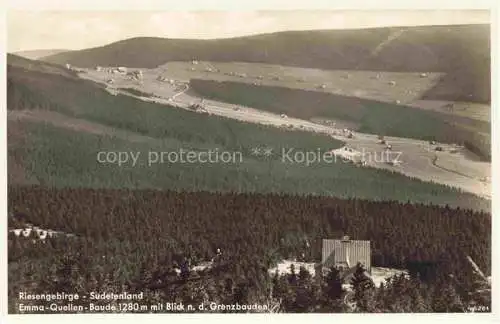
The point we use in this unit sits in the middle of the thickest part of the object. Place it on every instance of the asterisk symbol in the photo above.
(256, 151)
(268, 151)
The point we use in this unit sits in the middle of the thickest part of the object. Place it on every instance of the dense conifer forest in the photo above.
(183, 233)
(372, 116)
(46, 157)
(134, 239)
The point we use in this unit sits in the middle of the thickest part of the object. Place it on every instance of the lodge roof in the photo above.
(346, 252)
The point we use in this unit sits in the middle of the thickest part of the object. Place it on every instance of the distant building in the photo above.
(345, 254)
(27, 232)
(449, 106)
(17, 231)
(35, 232)
(348, 154)
(136, 75)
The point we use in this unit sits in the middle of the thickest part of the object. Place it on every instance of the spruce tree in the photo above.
(304, 299)
(446, 299)
(333, 284)
(364, 292)
(333, 291)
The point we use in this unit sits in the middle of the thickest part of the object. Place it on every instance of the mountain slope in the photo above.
(49, 158)
(33, 65)
(370, 116)
(37, 54)
(462, 50)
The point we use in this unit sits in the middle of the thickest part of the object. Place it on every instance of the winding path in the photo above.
(417, 162)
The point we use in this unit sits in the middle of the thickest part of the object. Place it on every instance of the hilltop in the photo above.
(461, 51)
(37, 54)
(16, 61)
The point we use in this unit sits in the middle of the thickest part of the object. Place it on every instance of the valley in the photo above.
(300, 171)
(453, 165)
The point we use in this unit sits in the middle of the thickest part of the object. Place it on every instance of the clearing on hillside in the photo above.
(416, 159)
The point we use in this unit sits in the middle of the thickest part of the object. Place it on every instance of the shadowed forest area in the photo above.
(135, 239)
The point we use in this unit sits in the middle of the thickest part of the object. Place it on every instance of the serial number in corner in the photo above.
(478, 309)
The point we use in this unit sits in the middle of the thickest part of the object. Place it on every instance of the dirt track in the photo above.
(419, 159)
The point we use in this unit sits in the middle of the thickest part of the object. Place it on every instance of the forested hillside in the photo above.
(49, 158)
(38, 66)
(461, 51)
(372, 116)
(37, 54)
(134, 239)
(205, 233)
